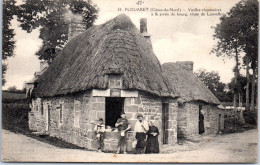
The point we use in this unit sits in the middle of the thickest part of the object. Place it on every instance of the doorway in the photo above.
(219, 122)
(114, 107)
(165, 122)
(201, 121)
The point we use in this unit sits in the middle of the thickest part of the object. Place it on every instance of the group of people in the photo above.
(146, 135)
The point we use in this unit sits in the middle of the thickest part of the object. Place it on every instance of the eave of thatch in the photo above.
(116, 47)
(187, 84)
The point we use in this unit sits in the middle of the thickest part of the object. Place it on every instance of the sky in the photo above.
(174, 38)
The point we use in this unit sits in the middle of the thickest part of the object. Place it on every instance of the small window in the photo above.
(61, 113)
(115, 81)
(180, 105)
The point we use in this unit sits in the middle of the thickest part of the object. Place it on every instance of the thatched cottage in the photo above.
(198, 110)
(111, 68)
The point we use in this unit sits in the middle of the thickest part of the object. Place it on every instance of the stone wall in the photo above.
(37, 120)
(173, 114)
(80, 116)
(151, 108)
(182, 121)
(148, 105)
(81, 112)
(213, 119)
(188, 119)
(193, 119)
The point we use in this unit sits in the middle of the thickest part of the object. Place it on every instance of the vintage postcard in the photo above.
(130, 81)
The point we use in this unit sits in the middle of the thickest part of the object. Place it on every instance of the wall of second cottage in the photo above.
(213, 119)
(188, 119)
(182, 121)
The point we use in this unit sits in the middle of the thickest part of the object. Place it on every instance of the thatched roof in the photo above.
(187, 84)
(115, 47)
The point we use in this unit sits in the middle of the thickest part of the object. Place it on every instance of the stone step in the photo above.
(40, 133)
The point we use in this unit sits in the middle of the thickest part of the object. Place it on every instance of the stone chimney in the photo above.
(187, 65)
(143, 30)
(143, 25)
(76, 28)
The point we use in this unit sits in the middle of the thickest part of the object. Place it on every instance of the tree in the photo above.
(241, 85)
(4, 68)
(227, 44)
(247, 11)
(237, 32)
(212, 81)
(8, 43)
(9, 10)
(247, 28)
(52, 16)
(247, 83)
(12, 89)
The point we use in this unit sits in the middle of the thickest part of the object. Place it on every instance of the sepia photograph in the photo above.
(130, 81)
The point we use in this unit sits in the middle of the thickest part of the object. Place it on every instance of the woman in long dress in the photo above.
(152, 140)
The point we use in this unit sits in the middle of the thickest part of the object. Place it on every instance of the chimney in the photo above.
(76, 28)
(143, 25)
(143, 30)
(187, 65)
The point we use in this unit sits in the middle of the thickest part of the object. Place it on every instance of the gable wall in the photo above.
(36, 119)
(188, 119)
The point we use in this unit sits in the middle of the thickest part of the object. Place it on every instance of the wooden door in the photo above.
(219, 122)
(165, 122)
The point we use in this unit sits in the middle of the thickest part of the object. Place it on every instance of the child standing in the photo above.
(100, 130)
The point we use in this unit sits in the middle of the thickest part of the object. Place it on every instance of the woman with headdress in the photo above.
(141, 127)
(152, 143)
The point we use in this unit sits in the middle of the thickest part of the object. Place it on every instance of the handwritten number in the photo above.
(139, 2)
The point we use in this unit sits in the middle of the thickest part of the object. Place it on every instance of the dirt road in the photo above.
(237, 147)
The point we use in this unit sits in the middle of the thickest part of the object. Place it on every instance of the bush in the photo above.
(233, 125)
(15, 111)
(13, 97)
(250, 117)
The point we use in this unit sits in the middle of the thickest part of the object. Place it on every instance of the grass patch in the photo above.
(233, 125)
